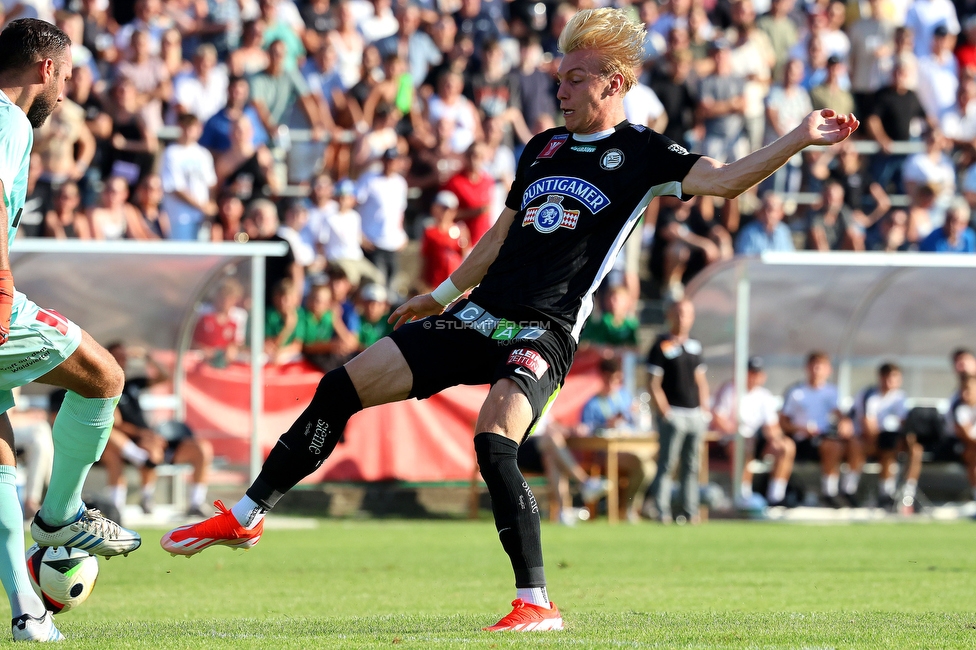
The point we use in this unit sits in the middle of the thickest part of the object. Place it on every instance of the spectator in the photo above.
(432, 168)
(374, 311)
(296, 218)
(955, 236)
(189, 180)
(892, 233)
(321, 74)
(495, 92)
(958, 123)
(182, 449)
(342, 294)
(149, 76)
(227, 225)
(546, 451)
(612, 409)
(65, 146)
(171, 52)
(477, 20)
(832, 227)
(721, 106)
(133, 146)
(676, 91)
(679, 394)
(285, 27)
(412, 43)
(757, 421)
(276, 90)
(938, 77)
(786, 106)
(753, 59)
(326, 343)
(811, 416)
(201, 91)
(251, 57)
(895, 115)
(319, 21)
(114, 218)
(500, 162)
(832, 92)
(903, 53)
(261, 224)
(766, 232)
(843, 164)
(962, 413)
(220, 25)
(536, 97)
(283, 324)
(65, 220)
(879, 413)
(245, 170)
(925, 17)
(382, 24)
(148, 202)
(383, 201)
(642, 106)
(617, 326)
(369, 149)
(781, 30)
(348, 44)
(932, 167)
(219, 334)
(685, 242)
(474, 189)
(445, 243)
(217, 130)
(450, 104)
(920, 214)
(872, 37)
(149, 18)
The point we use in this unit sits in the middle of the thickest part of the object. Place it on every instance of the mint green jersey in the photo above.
(16, 140)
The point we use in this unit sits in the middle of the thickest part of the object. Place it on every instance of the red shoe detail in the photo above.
(529, 618)
(223, 528)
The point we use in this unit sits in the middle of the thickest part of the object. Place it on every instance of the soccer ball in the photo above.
(63, 577)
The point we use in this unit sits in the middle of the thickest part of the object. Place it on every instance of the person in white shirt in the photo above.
(642, 106)
(938, 76)
(879, 412)
(925, 16)
(382, 203)
(342, 238)
(189, 180)
(203, 90)
(757, 421)
(811, 415)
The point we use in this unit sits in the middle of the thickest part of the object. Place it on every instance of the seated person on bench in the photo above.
(962, 414)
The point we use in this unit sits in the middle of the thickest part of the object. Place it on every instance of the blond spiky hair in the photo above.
(617, 41)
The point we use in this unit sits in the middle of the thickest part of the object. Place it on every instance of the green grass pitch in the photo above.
(409, 584)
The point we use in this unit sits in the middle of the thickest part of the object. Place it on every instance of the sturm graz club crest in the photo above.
(551, 215)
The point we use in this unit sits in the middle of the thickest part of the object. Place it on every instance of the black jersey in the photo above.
(577, 201)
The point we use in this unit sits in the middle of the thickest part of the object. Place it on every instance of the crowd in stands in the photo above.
(352, 128)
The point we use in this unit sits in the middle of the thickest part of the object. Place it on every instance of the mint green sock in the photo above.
(81, 431)
(13, 568)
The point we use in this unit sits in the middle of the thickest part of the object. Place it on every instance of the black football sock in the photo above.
(514, 506)
(309, 441)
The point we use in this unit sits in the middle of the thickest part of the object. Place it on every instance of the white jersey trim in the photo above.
(593, 137)
(586, 308)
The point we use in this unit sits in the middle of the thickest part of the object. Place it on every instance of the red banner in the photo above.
(413, 440)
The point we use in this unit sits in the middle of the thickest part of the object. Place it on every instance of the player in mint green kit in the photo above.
(41, 345)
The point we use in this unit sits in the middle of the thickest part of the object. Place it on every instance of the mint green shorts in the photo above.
(40, 340)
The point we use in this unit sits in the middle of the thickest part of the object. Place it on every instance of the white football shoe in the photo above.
(32, 628)
(91, 531)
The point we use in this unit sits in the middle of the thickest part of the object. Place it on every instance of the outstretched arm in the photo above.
(467, 275)
(712, 178)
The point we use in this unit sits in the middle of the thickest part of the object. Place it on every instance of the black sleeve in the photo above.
(667, 164)
(656, 356)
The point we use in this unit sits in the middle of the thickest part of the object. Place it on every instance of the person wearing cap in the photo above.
(374, 308)
(445, 242)
(721, 106)
(811, 416)
(536, 272)
(924, 17)
(382, 203)
(938, 76)
(834, 89)
(340, 234)
(757, 421)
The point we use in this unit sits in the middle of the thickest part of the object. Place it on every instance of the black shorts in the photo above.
(808, 449)
(888, 440)
(472, 345)
(529, 458)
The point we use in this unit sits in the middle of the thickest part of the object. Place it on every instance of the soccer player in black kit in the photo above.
(577, 195)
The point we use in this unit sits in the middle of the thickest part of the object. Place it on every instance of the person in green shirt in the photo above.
(325, 340)
(283, 328)
(375, 310)
(617, 326)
